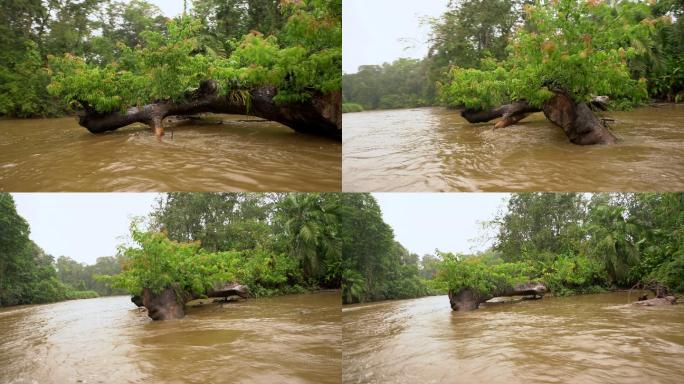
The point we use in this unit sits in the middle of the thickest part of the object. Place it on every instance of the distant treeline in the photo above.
(472, 33)
(571, 242)
(28, 275)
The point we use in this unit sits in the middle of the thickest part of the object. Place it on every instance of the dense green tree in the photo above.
(113, 54)
(540, 225)
(612, 238)
(470, 31)
(375, 267)
(27, 273)
(484, 53)
(220, 222)
(580, 48)
(310, 223)
(224, 21)
(304, 59)
(303, 226)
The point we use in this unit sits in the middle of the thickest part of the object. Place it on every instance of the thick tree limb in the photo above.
(517, 110)
(228, 289)
(577, 120)
(322, 115)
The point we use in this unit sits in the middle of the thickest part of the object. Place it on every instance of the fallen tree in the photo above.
(568, 53)
(293, 78)
(467, 299)
(169, 304)
(321, 115)
(164, 275)
(471, 282)
(577, 120)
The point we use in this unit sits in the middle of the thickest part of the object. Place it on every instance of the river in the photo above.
(581, 339)
(294, 339)
(242, 154)
(434, 149)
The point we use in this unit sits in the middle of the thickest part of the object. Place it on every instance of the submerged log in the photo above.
(322, 115)
(170, 303)
(468, 299)
(657, 301)
(577, 120)
(228, 290)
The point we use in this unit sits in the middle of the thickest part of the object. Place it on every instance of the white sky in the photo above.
(83, 226)
(450, 222)
(170, 8)
(373, 30)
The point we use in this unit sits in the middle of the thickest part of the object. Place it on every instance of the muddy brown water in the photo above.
(580, 339)
(243, 154)
(293, 339)
(434, 149)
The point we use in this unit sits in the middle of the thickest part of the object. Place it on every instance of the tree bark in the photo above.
(322, 115)
(165, 305)
(577, 120)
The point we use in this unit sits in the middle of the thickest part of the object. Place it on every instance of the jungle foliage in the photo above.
(484, 53)
(274, 243)
(111, 55)
(578, 244)
(574, 243)
(578, 47)
(374, 265)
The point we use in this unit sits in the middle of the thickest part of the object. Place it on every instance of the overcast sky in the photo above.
(378, 31)
(423, 222)
(83, 226)
(170, 8)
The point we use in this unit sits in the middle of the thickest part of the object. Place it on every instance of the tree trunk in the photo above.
(322, 115)
(468, 299)
(165, 305)
(169, 304)
(577, 120)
